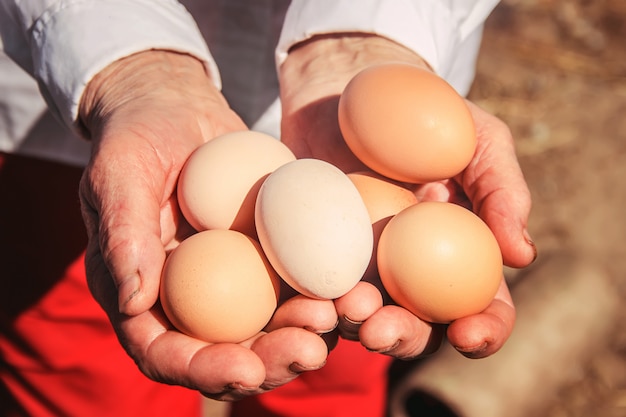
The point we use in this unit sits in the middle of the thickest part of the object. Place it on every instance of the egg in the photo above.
(314, 228)
(218, 286)
(383, 198)
(440, 261)
(219, 182)
(406, 123)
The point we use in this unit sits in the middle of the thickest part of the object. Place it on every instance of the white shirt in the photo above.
(64, 43)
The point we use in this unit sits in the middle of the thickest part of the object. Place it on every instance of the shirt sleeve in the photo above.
(64, 43)
(446, 34)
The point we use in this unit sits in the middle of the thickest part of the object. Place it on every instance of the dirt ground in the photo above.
(555, 71)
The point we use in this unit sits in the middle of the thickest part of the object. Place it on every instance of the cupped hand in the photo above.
(312, 79)
(144, 115)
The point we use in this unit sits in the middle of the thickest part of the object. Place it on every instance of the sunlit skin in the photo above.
(146, 113)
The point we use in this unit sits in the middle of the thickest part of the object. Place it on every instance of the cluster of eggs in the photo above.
(263, 216)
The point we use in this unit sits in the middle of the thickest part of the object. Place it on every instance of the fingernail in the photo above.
(236, 386)
(353, 322)
(474, 352)
(386, 349)
(530, 241)
(127, 290)
(298, 368)
(350, 326)
(321, 332)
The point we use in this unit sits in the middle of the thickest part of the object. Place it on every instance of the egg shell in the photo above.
(406, 123)
(218, 286)
(218, 185)
(383, 198)
(440, 261)
(314, 228)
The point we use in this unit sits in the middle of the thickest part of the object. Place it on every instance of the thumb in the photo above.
(497, 189)
(121, 209)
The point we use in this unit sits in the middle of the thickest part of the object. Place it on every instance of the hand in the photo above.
(493, 185)
(145, 114)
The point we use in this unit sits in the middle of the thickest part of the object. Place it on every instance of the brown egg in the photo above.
(218, 185)
(440, 261)
(218, 286)
(407, 123)
(383, 198)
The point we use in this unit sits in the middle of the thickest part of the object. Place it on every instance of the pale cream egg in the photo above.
(314, 228)
(218, 185)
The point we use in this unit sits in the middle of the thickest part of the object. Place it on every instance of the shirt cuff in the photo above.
(435, 30)
(74, 40)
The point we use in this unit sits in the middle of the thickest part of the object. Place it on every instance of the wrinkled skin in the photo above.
(146, 113)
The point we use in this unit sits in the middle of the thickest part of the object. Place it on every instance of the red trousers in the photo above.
(58, 353)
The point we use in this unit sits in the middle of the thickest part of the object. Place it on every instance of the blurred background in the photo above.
(555, 71)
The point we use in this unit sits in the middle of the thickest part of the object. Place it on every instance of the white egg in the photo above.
(314, 228)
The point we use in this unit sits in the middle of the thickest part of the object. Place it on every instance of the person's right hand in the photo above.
(144, 115)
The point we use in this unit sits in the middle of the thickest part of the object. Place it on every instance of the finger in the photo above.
(221, 371)
(174, 227)
(483, 334)
(226, 372)
(446, 190)
(121, 202)
(495, 184)
(395, 331)
(433, 191)
(99, 280)
(287, 352)
(317, 316)
(355, 307)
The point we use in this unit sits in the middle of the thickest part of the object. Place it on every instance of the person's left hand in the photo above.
(312, 79)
